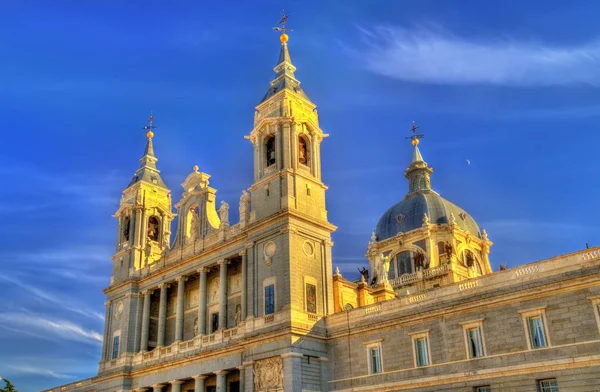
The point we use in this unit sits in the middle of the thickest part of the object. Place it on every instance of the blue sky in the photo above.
(511, 86)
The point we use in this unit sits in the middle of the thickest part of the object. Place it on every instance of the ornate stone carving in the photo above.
(224, 214)
(238, 314)
(383, 267)
(269, 252)
(244, 207)
(268, 374)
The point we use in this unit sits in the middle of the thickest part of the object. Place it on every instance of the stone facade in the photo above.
(256, 306)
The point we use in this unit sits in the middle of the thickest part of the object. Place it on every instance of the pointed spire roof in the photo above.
(148, 171)
(417, 173)
(284, 70)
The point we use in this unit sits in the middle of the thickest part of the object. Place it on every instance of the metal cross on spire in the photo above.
(282, 22)
(415, 137)
(150, 127)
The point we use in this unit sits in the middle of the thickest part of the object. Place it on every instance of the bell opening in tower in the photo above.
(153, 228)
(270, 150)
(126, 222)
(303, 156)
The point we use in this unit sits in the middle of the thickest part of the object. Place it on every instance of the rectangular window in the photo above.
(475, 342)
(269, 299)
(215, 322)
(549, 385)
(375, 359)
(115, 351)
(536, 331)
(311, 298)
(421, 351)
(485, 388)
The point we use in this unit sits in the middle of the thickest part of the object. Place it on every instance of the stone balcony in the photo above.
(203, 343)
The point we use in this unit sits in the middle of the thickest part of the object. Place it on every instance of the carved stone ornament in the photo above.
(269, 252)
(118, 310)
(308, 249)
(268, 374)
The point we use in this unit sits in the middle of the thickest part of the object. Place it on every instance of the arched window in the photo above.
(469, 258)
(153, 228)
(404, 262)
(125, 229)
(303, 154)
(270, 150)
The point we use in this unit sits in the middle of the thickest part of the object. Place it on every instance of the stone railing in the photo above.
(590, 255)
(373, 309)
(407, 279)
(203, 342)
(437, 271)
(233, 231)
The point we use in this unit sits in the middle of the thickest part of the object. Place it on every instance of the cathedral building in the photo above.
(258, 305)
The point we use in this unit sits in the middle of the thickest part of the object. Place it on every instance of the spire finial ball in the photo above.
(150, 134)
(415, 142)
(284, 38)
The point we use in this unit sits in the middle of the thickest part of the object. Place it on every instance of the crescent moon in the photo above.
(468, 162)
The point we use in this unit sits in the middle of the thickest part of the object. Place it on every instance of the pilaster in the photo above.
(145, 321)
(223, 294)
(202, 301)
(180, 309)
(292, 372)
(162, 314)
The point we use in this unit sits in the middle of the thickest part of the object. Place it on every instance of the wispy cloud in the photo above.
(52, 298)
(63, 329)
(38, 371)
(433, 55)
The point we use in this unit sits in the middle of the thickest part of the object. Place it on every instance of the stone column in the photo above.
(105, 356)
(292, 372)
(244, 284)
(294, 145)
(242, 378)
(313, 157)
(324, 376)
(180, 308)
(138, 322)
(199, 383)
(223, 294)
(248, 376)
(176, 385)
(145, 321)
(119, 230)
(221, 380)
(138, 228)
(162, 315)
(157, 387)
(202, 302)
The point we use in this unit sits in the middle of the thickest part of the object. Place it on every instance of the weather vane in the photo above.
(415, 137)
(284, 30)
(150, 127)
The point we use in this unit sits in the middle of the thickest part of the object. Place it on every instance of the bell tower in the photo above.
(144, 217)
(287, 139)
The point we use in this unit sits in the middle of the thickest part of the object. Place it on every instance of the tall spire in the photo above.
(148, 171)
(284, 70)
(417, 173)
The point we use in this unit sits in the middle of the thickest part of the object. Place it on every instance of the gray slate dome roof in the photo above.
(407, 215)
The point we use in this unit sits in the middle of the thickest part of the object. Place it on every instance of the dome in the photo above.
(407, 215)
